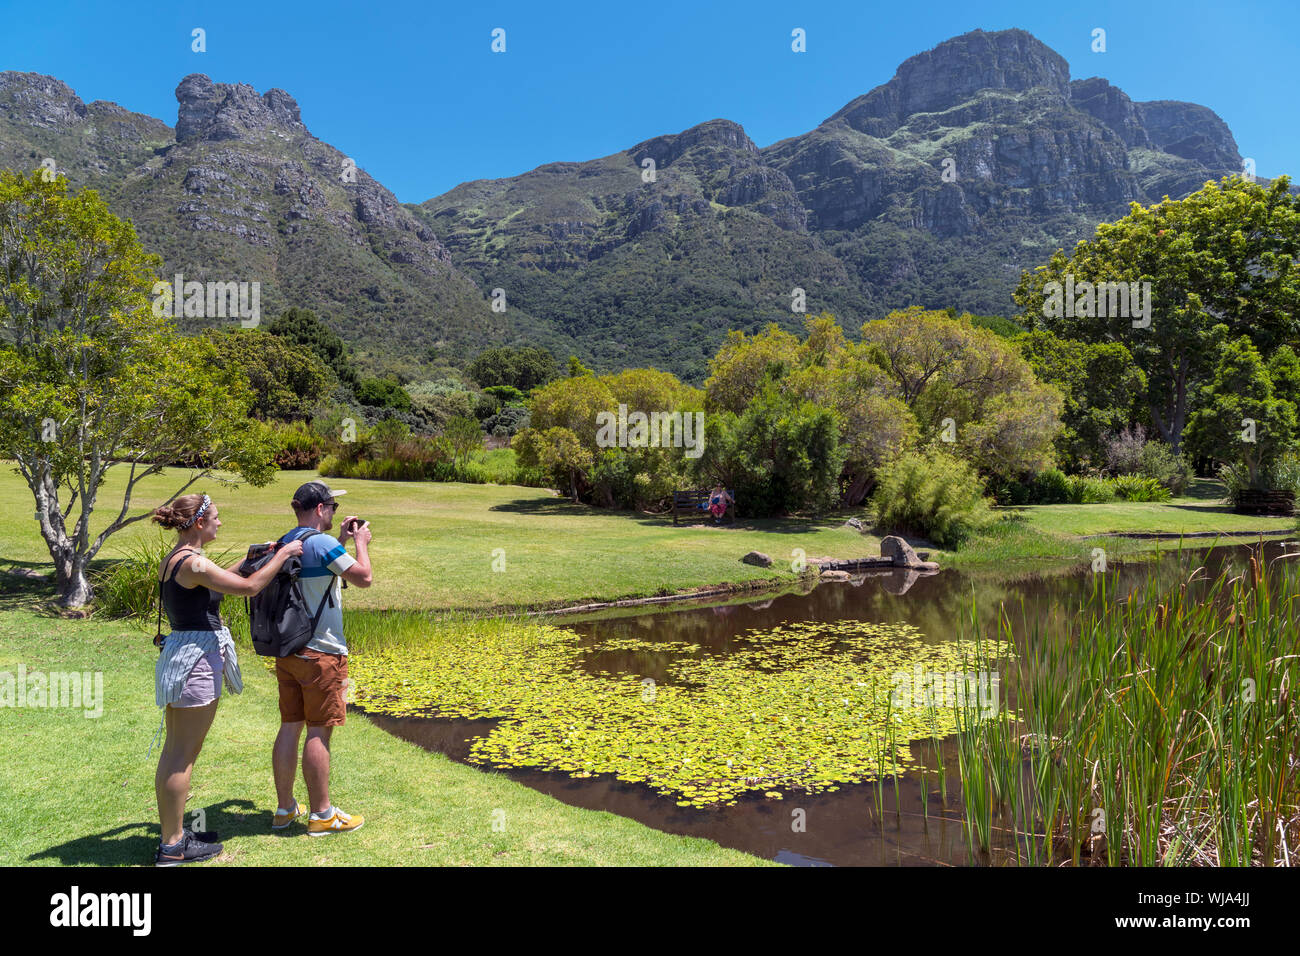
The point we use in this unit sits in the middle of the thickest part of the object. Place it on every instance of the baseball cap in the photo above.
(315, 493)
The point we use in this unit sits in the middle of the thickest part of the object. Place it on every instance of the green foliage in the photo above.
(781, 455)
(969, 387)
(1101, 385)
(1239, 421)
(932, 495)
(383, 393)
(91, 378)
(1157, 460)
(287, 382)
(1221, 263)
(300, 446)
(505, 394)
(1139, 488)
(519, 369)
(303, 330)
(464, 436)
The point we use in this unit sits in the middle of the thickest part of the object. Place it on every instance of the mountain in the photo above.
(976, 161)
(857, 212)
(241, 190)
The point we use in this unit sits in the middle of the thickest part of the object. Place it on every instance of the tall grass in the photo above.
(1160, 730)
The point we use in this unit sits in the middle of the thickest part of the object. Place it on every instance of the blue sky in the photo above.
(413, 92)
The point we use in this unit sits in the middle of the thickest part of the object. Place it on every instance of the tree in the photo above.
(1239, 420)
(576, 368)
(91, 379)
(558, 452)
(288, 383)
(465, 437)
(1220, 263)
(520, 368)
(744, 363)
(968, 388)
(782, 454)
(383, 393)
(303, 329)
(1104, 391)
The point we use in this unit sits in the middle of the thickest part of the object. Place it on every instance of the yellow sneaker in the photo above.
(335, 821)
(283, 817)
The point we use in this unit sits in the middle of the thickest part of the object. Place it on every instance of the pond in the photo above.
(772, 725)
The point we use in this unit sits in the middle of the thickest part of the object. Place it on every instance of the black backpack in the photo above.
(278, 616)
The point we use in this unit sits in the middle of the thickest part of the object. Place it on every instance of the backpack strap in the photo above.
(329, 591)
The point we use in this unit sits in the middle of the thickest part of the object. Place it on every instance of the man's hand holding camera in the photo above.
(355, 528)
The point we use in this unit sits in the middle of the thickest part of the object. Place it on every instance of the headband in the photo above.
(198, 514)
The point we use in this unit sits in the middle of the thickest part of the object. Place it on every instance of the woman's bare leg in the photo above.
(186, 729)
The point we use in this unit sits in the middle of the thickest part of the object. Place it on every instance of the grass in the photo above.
(435, 544)
(1069, 533)
(1155, 731)
(79, 791)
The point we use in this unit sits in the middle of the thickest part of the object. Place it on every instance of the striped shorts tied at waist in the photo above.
(181, 650)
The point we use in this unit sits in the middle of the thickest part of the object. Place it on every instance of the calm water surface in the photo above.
(845, 827)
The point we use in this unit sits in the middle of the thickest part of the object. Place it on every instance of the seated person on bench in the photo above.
(718, 502)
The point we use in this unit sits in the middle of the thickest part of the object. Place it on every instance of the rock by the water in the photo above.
(855, 524)
(834, 575)
(901, 553)
(758, 559)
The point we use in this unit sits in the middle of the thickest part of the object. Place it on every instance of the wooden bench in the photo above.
(696, 504)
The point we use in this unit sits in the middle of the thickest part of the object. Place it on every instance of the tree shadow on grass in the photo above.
(562, 507)
(20, 593)
(134, 844)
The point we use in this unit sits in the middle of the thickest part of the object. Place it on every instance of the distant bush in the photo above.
(1157, 460)
(1052, 487)
(1090, 491)
(299, 446)
(932, 495)
(1130, 452)
(1140, 488)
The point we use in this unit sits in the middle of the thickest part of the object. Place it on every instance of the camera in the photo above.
(352, 525)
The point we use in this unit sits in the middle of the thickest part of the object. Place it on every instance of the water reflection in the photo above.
(894, 823)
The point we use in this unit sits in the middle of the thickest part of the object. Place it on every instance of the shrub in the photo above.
(932, 495)
(1159, 461)
(299, 446)
(1140, 488)
(1085, 490)
(1052, 487)
(1123, 450)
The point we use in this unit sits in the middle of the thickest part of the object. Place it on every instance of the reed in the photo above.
(1156, 730)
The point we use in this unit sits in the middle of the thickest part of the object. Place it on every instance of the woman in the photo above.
(196, 656)
(718, 502)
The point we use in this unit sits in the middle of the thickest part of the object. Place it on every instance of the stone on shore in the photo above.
(834, 576)
(901, 553)
(758, 559)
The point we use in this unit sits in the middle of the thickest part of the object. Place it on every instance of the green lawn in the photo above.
(77, 790)
(434, 543)
(1185, 515)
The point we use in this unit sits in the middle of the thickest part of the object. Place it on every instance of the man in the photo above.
(313, 682)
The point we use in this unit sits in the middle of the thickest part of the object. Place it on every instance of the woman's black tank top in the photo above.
(190, 609)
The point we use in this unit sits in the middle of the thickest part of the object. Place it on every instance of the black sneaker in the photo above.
(190, 850)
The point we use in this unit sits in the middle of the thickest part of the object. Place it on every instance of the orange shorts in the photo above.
(313, 688)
